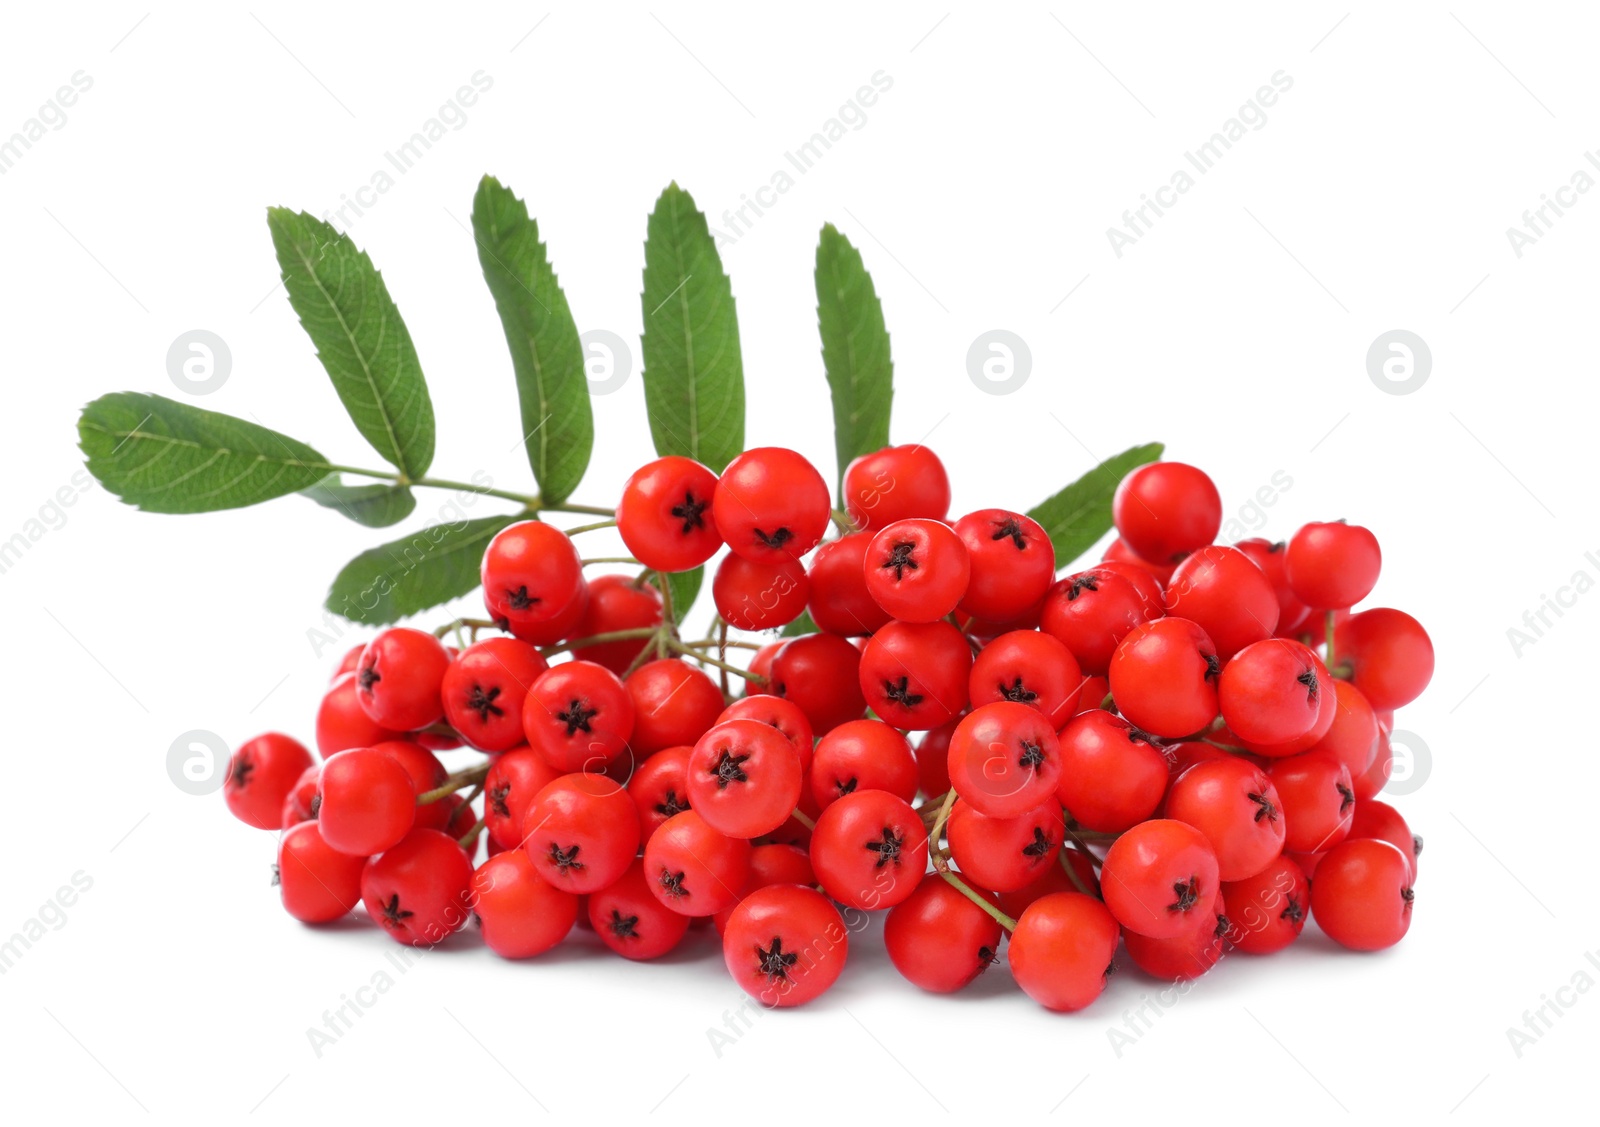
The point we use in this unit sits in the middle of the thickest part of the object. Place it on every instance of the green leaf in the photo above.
(346, 311)
(168, 457)
(801, 625)
(684, 586)
(1081, 513)
(376, 506)
(557, 421)
(422, 570)
(855, 349)
(693, 374)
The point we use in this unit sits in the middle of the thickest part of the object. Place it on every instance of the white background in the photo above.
(1376, 197)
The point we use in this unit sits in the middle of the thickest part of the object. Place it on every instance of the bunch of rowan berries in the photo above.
(1178, 750)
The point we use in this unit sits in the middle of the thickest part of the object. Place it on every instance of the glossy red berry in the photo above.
(1268, 911)
(1164, 678)
(763, 595)
(693, 869)
(673, 704)
(1352, 737)
(1056, 878)
(1030, 668)
(785, 945)
(399, 679)
(933, 760)
(514, 781)
(1159, 878)
(821, 674)
(426, 772)
(1222, 591)
(665, 515)
(770, 864)
(1004, 759)
(869, 850)
(840, 602)
(631, 921)
(1005, 854)
(1011, 564)
(317, 882)
(1113, 775)
(896, 483)
(519, 914)
(1234, 804)
(616, 603)
(579, 716)
(366, 801)
(343, 724)
(420, 891)
(914, 675)
(298, 804)
(531, 575)
(771, 504)
(1165, 510)
(744, 778)
(1389, 654)
(1182, 958)
(565, 625)
(660, 788)
(862, 755)
(917, 569)
(938, 939)
(1318, 800)
(775, 712)
(1062, 950)
(1370, 783)
(1332, 565)
(581, 831)
(1119, 552)
(1376, 819)
(1362, 896)
(1271, 692)
(261, 775)
(1091, 613)
(484, 688)
(1269, 556)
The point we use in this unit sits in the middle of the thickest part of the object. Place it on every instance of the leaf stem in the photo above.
(996, 914)
(845, 524)
(458, 781)
(632, 634)
(690, 652)
(595, 527)
(527, 500)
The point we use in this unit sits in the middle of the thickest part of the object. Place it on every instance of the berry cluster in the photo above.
(1178, 749)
